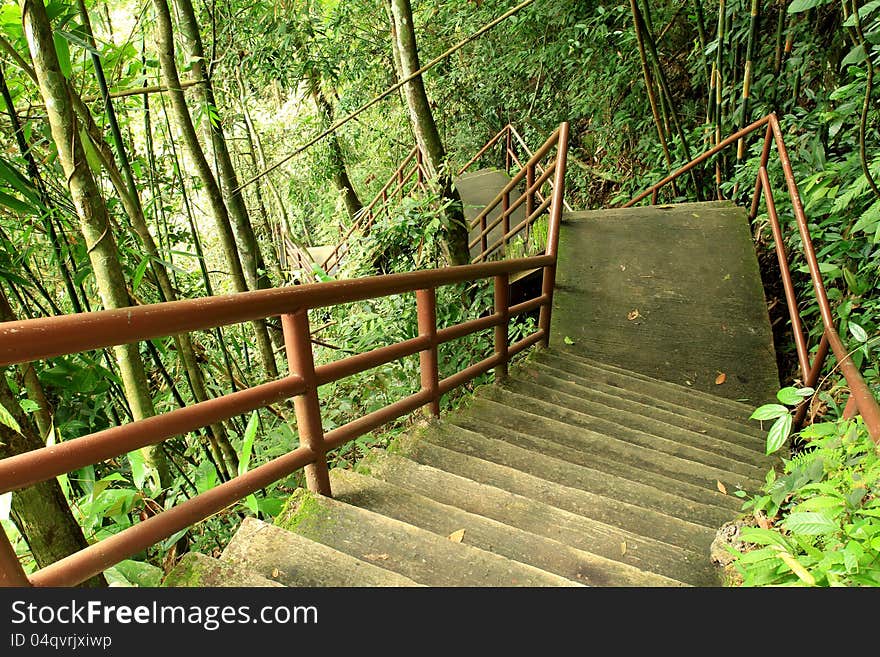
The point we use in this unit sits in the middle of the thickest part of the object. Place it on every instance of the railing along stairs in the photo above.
(49, 337)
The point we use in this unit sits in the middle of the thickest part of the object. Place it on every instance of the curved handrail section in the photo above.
(861, 400)
(36, 339)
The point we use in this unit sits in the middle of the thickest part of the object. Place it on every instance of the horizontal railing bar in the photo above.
(482, 151)
(362, 425)
(468, 373)
(513, 206)
(96, 558)
(46, 337)
(466, 328)
(531, 304)
(525, 343)
(28, 468)
(699, 160)
(339, 369)
(511, 187)
(513, 231)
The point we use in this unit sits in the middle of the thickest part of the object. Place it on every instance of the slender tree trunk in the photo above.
(165, 43)
(92, 212)
(425, 129)
(251, 257)
(341, 180)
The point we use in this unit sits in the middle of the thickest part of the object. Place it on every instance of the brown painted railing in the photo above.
(860, 401)
(537, 177)
(408, 177)
(29, 340)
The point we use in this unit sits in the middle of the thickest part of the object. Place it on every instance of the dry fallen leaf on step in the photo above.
(633, 314)
(623, 548)
(763, 521)
(722, 488)
(376, 557)
(721, 378)
(275, 572)
(456, 536)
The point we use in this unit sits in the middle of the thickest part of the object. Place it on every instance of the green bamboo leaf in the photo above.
(761, 536)
(248, 443)
(769, 412)
(17, 205)
(139, 273)
(63, 51)
(810, 523)
(18, 182)
(138, 468)
(8, 420)
(778, 433)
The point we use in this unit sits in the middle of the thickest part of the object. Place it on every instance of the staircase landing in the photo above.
(673, 292)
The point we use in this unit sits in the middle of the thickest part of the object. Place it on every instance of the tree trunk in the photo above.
(165, 44)
(425, 129)
(92, 212)
(251, 257)
(341, 180)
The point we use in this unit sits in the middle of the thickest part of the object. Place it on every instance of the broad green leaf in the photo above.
(29, 405)
(820, 503)
(761, 536)
(854, 56)
(789, 396)
(769, 412)
(810, 523)
(858, 332)
(248, 443)
(138, 469)
(6, 419)
(206, 476)
(797, 568)
(778, 433)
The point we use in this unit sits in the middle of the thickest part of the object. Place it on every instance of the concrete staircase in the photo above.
(573, 472)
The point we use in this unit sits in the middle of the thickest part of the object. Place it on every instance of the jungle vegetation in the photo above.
(154, 150)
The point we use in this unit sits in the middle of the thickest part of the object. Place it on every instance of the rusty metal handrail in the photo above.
(367, 215)
(28, 340)
(860, 401)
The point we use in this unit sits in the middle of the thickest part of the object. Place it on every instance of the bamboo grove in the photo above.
(146, 157)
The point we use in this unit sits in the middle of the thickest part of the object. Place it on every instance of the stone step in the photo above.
(614, 464)
(292, 560)
(538, 458)
(745, 433)
(414, 553)
(199, 570)
(631, 380)
(642, 418)
(600, 508)
(547, 554)
(553, 422)
(416, 469)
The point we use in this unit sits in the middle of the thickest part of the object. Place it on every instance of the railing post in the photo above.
(426, 309)
(507, 150)
(765, 157)
(484, 240)
(298, 344)
(505, 221)
(502, 309)
(548, 282)
(419, 171)
(11, 572)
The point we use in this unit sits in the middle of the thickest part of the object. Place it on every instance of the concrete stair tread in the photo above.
(639, 417)
(580, 431)
(537, 457)
(197, 569)
(448, 521)
(410, 551)
(605, 383)
(411, 470)
(616, 464)
(295, 561)
(432, 447)
(686, 395)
